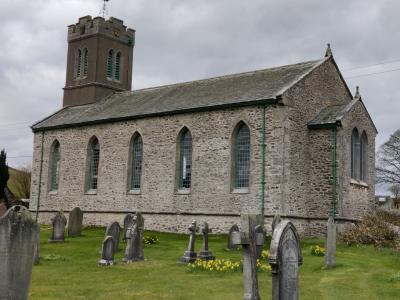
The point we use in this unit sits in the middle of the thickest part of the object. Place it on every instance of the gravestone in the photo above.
(190, 255)
(204, 253)
(250, 241)
(230, 245)
(127, 222)
(277, 219)
(261, 234)
(18, 234)
(285, 259)
(107, 252)
(75, 220)
(134, 240)
(330, 247)
(114, 230)
(58, 222)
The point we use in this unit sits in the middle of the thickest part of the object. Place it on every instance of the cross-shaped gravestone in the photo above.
(330, 247)
(59, 221)
(107, 252)
(285, 258)
(204, 253)
(190, 255)
(250, 240)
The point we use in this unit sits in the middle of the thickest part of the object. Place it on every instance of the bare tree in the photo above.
(22, 183)
(388, 161)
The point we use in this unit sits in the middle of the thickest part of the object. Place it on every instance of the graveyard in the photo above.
(70, 270)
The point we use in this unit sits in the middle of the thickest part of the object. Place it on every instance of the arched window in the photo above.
(85, 61)
(241, 152)
(54, 165)
(93, 164)
(355, 154)
(185, 159)
(118, 66)
(136, 162)
(78, 63)
(363, 157)
(110, 64)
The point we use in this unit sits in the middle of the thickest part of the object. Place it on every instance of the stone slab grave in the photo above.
(190, 255)
(205, 253)
(107, 252)
(134, 239)
(58, 227)
(330, 246)
(230, 245)
(127, 222)
(114, 230)
(285, 259)
(75, 220)
(18, 235)
(252, 239)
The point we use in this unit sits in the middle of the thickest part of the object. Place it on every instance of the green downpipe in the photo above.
(334, 172)
(263, 146)
(40, 178)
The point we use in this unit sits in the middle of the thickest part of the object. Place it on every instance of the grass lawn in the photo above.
(69, 271)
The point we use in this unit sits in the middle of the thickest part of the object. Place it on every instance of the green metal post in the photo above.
(334, 171)
(262, 181)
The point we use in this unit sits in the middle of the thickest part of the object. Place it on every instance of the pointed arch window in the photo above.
(93, 164)
(117, 74)
(355, 154)
(363, 157)
(78, 63)
(185, 159)
(110, 64)
(54, 166)
(241, 154)
(85, 61)
(136, 162)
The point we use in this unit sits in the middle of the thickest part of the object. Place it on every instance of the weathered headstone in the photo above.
(107, 252)
(330, 247)
(134, 240)
(18, 234)
(249, 240)
(114, 230)
(285, 258)
(58, 222)
(260, 234)
(75, 220)
(230, 245)
(277, 219)
(127, 222)
(190, 255)
(204, 253)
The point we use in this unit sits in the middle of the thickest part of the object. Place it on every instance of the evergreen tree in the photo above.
(4, 175)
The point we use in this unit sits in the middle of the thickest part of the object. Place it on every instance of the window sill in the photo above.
(183, 192)
(240, 191)
(91, 192)
(358, 183)
(55, 192)
(134, 192)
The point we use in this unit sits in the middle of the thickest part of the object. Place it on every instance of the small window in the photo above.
(355, 155)
(78, 63)
(110, 64)
(54, 166)
(118, 66)
(85, 61)
(93, 156)
(136, 163)
(241, 144)
(364, 157)
(185, 159)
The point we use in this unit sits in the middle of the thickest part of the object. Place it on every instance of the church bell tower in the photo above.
(99, 60)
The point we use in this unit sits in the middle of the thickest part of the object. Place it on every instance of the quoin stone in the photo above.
(230, 245)
(128, 220)
(330, 247)
(75, 221)
(114, 230)
(107, 252)
(134, 240)
(250, 241)
(205, 253)
(18, 235)
(190, 254)
(285, 259)
(58, 227)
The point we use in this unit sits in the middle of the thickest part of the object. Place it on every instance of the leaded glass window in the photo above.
(94, 156)
(185, 159)
(110, 64)
(136, 167)
(79, 63)
(54, 166)
(355, 154)
(363, 157)
(118, 66)
(242, 157)
(85, 61)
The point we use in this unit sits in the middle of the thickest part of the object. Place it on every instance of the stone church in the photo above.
(291, 140)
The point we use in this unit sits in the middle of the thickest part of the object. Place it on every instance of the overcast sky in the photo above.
(180, 40)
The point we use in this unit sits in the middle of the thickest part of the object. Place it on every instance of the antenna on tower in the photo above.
(104, 10)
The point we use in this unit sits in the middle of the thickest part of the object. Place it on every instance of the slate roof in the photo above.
(331, 115)
(248, 88)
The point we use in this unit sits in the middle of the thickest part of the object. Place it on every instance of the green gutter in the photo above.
(263, 146)
(40, 178)
(334, 172)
